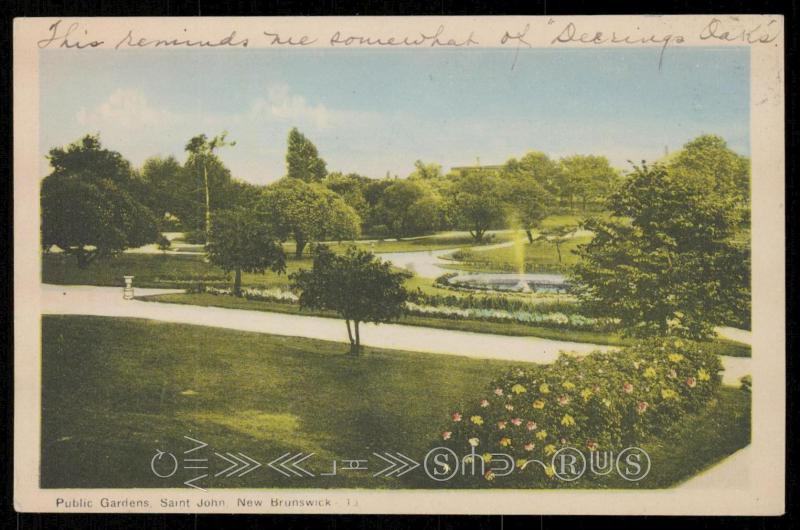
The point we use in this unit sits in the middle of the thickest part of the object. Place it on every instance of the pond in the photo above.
(523, 283)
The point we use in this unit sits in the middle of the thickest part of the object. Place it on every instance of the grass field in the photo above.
(116, 390)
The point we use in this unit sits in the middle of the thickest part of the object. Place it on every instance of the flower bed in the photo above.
(552, 319)
(250, 293)
(604, 401)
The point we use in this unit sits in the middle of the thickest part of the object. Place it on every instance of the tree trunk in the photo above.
(356, 350)
(558, 250)
(208, 203)
(237, 282)
(349, 334)
(529, 234)
(300, 244)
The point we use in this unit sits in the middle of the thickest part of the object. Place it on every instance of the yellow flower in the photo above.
(675, 357)
(606, 402)
(541, 435)
(549, 449)
(567, 385)
(702, 375)
(586, 394)
(487, 457)
(668, 393)
(538, 404)
(477, 420)
(549, 471)
(678, 343)
(567, 421)
(650, 372)
(518, 389)
(521, 463)
(544, 388)
(505, 442)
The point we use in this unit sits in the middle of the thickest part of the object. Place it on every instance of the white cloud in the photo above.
(280, 103)
(127, 108)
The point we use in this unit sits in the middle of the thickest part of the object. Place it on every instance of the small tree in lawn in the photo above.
(355, 285)
(558, 236)
(241, 241)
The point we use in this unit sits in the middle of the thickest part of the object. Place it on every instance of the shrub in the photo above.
(603, 401)
(195, 237)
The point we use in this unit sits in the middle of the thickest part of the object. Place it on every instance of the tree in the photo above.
(476, 202)
(307, 213)
(708, 160)
(241, 241)
(165, 191)
(408, 208)
(302, 160)
(350, 188)
(667, 262)
(88, 203)
(558, 236)
(527, 201)
(201, 151)
(587, 177)
(356, 285)
(423, 171)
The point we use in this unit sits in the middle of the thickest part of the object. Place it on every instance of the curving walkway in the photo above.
(108, 301)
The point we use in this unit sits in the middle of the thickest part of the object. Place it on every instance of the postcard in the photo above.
(423, 265)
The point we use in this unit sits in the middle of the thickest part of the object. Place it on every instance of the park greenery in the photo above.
(355, 285)
(660, 250)
(656, 258)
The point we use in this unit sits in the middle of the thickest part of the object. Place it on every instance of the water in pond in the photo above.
(527, 282)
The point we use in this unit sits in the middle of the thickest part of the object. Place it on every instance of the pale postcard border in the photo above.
(762, 493)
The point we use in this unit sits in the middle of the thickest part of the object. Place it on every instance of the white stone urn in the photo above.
(127, 293)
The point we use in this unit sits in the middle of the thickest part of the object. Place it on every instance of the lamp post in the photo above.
(127, 293)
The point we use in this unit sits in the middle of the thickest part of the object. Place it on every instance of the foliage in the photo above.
(241, 241)
(408, 208)
(302, 159)
(588, 178)
(667, 264)
(476, 202)
(307, 213)
(604, 401)
(356, 285)
(89, 204)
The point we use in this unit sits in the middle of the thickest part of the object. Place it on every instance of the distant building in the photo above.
(476, 168)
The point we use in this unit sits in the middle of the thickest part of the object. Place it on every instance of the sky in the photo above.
(378, 111)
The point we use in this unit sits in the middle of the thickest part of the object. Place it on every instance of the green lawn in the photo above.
(115, 390)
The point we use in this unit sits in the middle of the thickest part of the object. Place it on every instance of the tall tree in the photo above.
(476, 202)
(528, 202)
(307, 213)
(242, 241)
(302, 159)
(587, 177)
(408, 208)
(356, 285)
(667, 262)
(201, 149)
(425, 171)
(89, 207)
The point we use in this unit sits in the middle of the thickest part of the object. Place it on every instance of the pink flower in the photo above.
(484, 403)
(446, 435)
(591, 445)
(531, 425)
(529, 446)
(456, 416)
(498, 391)
(563, 400)
(642, 406)
(516, 421)
(627, 388)
(691, 382)
(501, 424)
